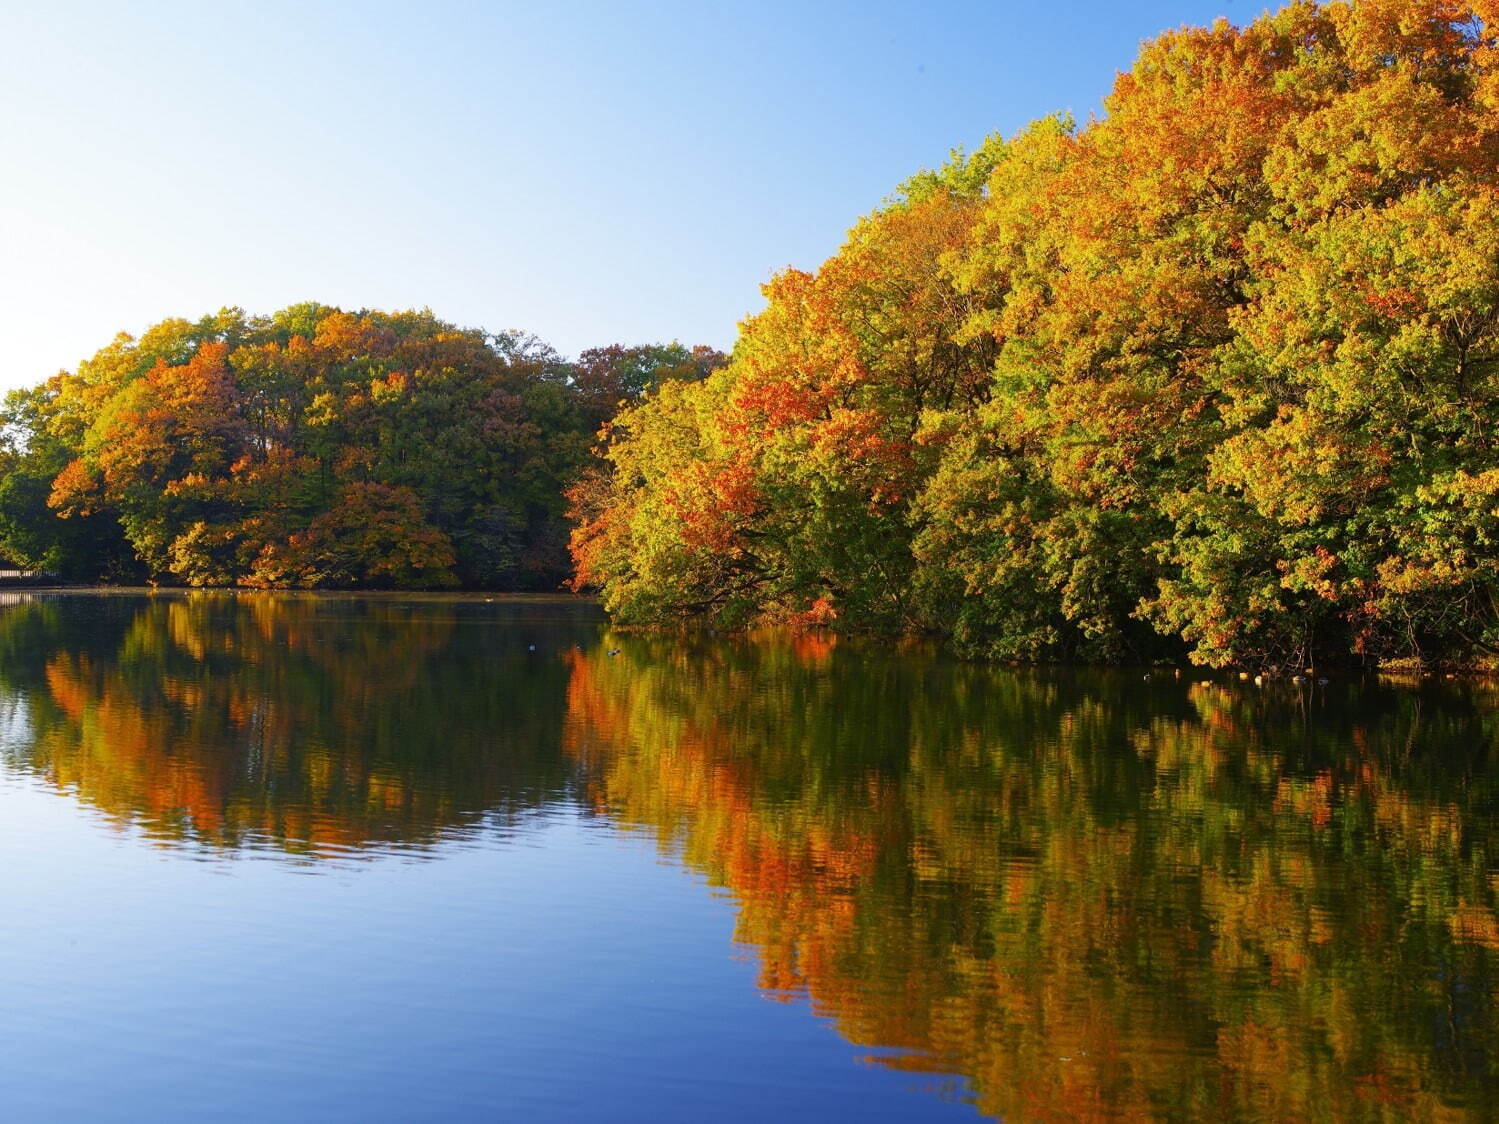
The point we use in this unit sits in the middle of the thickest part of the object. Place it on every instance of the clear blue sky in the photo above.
(592, 172)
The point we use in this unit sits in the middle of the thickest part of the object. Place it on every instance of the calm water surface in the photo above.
(335, 858)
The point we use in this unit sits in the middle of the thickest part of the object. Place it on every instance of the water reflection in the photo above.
(310, 725)
(1083, 893)
(1086, 893)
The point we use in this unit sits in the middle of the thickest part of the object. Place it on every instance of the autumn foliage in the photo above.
(1215, 371)
(313, 448)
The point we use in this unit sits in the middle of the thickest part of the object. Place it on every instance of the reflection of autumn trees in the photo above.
(310, 724)
(1086, 894)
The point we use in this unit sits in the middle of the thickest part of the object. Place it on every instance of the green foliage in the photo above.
(1214, 370)
(89, 548)
(311, 448)
(605, 377)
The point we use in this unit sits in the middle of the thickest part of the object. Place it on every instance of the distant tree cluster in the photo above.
(313, 448)
(1217, 371)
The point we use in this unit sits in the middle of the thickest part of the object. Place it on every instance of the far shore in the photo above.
(24, 586)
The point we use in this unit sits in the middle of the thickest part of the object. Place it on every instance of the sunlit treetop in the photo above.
(1208, 370)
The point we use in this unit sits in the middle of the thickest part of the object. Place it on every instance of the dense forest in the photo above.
(311, 449)
(1217, 370)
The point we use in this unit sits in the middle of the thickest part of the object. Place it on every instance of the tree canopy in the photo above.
(1214, 371)
(312, 448)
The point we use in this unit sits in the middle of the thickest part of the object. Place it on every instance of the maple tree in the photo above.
(1211, 372)
(312, 448)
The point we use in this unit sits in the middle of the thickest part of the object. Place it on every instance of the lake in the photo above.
(341, 858)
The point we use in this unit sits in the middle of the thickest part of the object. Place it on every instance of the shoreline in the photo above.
(1395, 670)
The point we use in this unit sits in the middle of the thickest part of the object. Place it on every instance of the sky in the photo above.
(589, 172)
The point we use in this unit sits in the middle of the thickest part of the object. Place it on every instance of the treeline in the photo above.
(1215, 372)
(314, 448)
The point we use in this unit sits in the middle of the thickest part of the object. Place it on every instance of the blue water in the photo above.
(338, 858)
